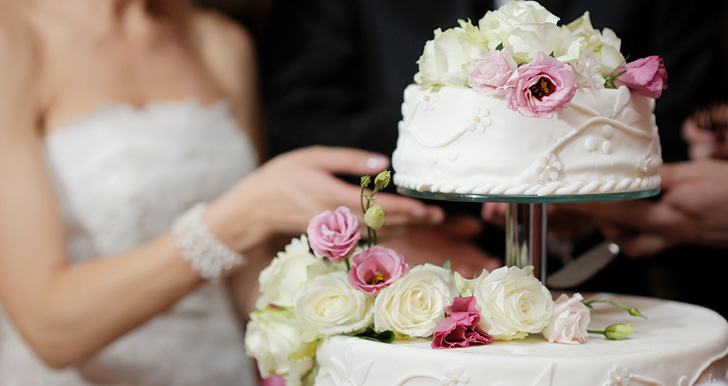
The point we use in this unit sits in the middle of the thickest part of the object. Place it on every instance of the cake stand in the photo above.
(526, 219)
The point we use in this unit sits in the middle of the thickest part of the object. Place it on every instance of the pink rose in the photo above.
(490, 72)
(334, 234)
(376, 268)
(541, 87)
(645, 76)
(460, 326)
(569, 321)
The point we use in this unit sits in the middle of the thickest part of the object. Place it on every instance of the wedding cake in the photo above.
(678, 345)
(333, 312)
(518, 105)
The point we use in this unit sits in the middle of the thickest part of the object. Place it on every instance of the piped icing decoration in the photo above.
(477, 119)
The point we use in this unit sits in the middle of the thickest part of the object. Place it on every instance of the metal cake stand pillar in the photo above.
(526, 226)
(526, 219)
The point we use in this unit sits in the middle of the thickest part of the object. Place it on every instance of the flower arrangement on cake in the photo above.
(328, 283)
(521, 53)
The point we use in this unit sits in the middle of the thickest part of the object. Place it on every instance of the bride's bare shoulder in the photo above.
(226, 46)
(19, 48)
(19, 68)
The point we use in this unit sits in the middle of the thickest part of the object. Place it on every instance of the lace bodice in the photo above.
(122, 175)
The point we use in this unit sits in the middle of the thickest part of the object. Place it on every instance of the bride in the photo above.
(119, 120)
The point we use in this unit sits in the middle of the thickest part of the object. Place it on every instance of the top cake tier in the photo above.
(520, 106)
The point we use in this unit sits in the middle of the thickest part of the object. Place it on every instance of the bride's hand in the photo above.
(286, 192)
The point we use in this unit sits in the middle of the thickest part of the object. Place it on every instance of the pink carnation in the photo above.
(490, 72)
(541, 87)
(460, 326)
(645, 76)
(569, 321)
(334, 234)
(376, 268)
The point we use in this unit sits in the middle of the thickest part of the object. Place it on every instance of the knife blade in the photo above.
(583, 267)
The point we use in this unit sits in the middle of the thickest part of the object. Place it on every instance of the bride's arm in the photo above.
(68, 312)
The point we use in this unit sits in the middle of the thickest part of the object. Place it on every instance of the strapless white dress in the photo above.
(122, 175)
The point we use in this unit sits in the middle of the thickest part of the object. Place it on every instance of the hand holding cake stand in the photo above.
(526, 220)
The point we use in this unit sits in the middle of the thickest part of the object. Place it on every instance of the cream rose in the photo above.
(605, 44)
(513, 303)
(446, 59)
(525, 28)
(271, 337)
(329, 305)
(569, 321)
(288, 273)
(413, 305)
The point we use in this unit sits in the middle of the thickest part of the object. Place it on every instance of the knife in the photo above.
(583, 267)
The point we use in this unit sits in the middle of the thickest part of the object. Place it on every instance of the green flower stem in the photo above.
(361, 198)
(632, 311)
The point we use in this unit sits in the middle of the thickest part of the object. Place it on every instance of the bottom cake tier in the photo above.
(677, 345)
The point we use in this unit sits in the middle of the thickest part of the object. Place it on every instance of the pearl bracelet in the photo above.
(207, 255)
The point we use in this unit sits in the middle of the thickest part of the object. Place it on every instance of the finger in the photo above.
(679, 172)
(673, 173)
(641, 215)
(395, 204)
(344, 160)
(644, 245)
(494, 213)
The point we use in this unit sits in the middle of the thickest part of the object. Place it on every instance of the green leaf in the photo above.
(370, 334)
(447, 265)
(499, 47)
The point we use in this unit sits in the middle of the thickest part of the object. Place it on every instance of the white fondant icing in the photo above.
(678, 345)
(607, 131)
(607, 147)
(591, 143)
(505, 156)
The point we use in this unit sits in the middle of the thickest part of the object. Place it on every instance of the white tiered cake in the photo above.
(514, 106)
(518, 105)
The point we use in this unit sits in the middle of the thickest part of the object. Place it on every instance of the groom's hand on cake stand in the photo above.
(691, 210)
(436, 244)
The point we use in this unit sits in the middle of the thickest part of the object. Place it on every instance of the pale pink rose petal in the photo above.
(490, 72)
(334, 234)
(569, 321)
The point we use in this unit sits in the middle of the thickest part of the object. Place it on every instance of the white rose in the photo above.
(415, 304)
(525, 28)
(516, 13)
(569, 321)
(513, 303)
(446, 59)
(605, 44)
(330, 305)
(611, 57)
(288, 273)
(588, 70)
(272, 336)
(465, 286)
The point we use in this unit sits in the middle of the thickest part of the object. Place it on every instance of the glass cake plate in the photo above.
(521, 199)
(526, 219)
